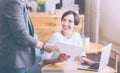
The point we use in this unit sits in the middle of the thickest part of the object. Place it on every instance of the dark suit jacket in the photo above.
(16, 35)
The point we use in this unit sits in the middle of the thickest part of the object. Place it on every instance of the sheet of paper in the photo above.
(69, 49)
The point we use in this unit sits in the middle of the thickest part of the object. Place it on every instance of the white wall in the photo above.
(110, 21)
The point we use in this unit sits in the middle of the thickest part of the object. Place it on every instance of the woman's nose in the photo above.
(66, 23)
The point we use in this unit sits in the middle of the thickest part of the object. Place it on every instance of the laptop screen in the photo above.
(105, 56)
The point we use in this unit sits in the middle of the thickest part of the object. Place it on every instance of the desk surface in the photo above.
(71, 67)
(94, 48)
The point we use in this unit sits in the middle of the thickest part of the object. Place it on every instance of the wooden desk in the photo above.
(94, 48)
(71, 67)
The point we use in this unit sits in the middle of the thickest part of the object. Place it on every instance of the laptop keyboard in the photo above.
(94, 66)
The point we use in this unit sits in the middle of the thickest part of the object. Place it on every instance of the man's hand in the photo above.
(48, 47)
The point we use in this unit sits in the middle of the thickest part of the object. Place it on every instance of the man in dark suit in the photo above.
(17, 41)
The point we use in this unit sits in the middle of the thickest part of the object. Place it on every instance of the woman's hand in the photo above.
(86, 60)
(63, 57)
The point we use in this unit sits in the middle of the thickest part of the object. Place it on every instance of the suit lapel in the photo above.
(28, 22)
(30, 26)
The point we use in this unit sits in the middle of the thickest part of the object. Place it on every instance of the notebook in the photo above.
(103, 60)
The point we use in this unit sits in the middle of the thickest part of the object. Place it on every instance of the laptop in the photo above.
(103, 60)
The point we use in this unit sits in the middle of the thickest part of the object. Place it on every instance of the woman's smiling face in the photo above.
(68, 23)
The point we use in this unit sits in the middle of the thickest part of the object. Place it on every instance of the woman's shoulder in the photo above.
(76, 34)
(56, 34)
(54, 37)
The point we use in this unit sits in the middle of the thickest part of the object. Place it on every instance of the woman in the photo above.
(66, 35)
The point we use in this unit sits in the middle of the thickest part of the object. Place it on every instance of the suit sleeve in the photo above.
(15, 19)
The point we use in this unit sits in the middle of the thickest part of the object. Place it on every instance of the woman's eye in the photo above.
(63, 20)
(70, 21)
